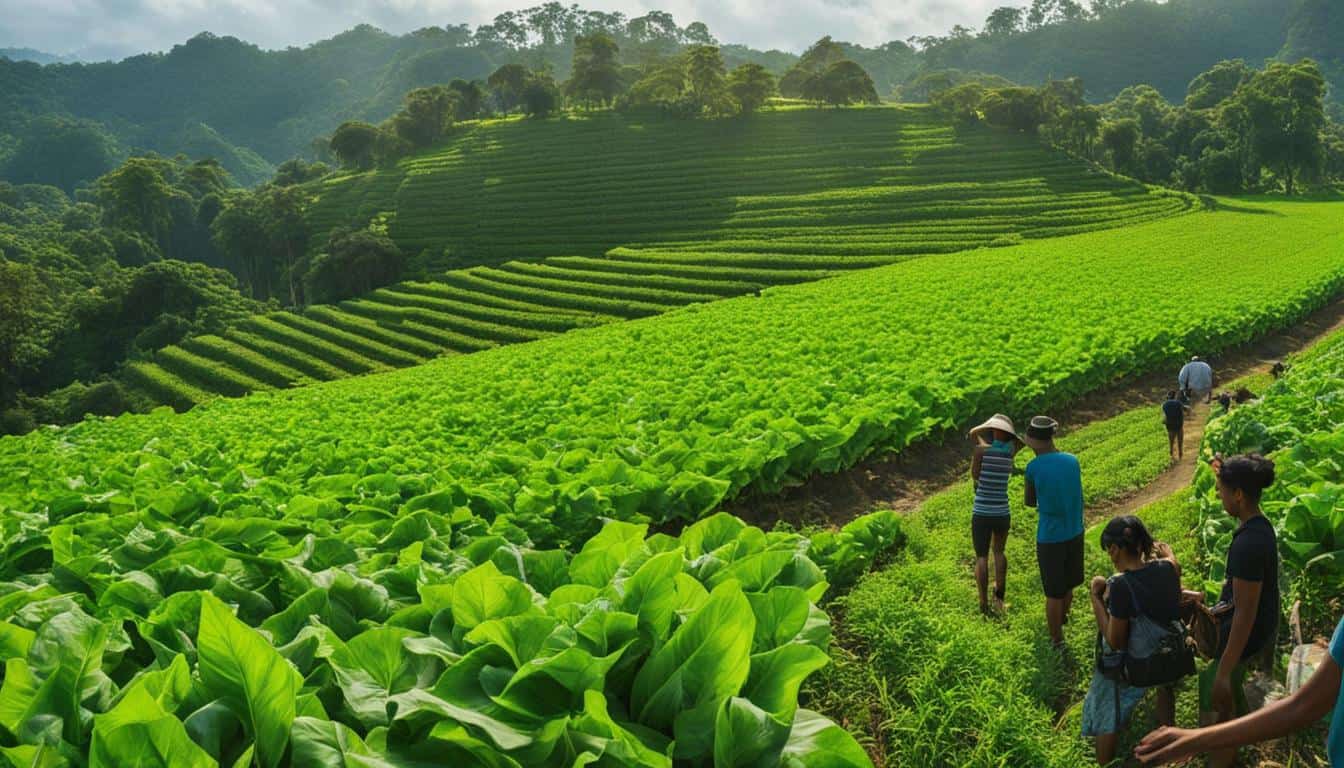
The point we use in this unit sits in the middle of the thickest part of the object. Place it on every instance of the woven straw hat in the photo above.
(997, 421)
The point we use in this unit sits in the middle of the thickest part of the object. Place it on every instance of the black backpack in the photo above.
(1172, 659)
(1169, 654)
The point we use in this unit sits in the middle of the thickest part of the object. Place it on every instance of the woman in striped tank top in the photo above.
(991, 466)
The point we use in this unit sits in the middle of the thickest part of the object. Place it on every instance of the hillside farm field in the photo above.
(631, 219)
(418, 560)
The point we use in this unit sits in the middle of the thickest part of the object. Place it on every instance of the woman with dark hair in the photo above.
(1131, 609)
(1250, 592)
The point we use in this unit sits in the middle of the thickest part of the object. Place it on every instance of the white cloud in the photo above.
(122, 27)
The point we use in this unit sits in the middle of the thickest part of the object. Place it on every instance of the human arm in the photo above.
(1029, 491)
(1292, 713)
(1162, 551)
(1097, 591)
(977, 460)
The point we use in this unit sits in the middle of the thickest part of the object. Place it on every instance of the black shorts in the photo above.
(1175, 429)
(985, 526)
(1061, 565)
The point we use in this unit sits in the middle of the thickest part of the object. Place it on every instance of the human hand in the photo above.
(1098, 586)
(1168, 745)
(1191, 596)
(1162, 550)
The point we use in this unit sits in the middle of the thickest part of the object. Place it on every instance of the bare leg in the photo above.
(1166, 706)
(1106, 745)
(1054, 618)
(1171, 444)
(1180, 445)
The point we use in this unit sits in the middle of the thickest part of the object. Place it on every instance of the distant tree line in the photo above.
(692, 82)
(1238, 130)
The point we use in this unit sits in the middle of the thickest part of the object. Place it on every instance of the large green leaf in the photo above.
(705, 661)
(816, 742)
(604, 553)
(238, 665)
(373, 667)
(484, 593)
(325, 744)
(139, 732)
(68, 653)
(746, 735)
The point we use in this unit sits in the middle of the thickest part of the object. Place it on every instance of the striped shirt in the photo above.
(991, 491)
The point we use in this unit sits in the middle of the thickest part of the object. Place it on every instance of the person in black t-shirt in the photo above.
(1251, 590)
(1147, 583)
(1173, 413)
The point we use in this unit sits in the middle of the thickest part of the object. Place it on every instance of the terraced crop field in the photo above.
(452, 562)
(882, 181)
(586, 221)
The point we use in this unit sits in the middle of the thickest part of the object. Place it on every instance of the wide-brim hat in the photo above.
(997, 421)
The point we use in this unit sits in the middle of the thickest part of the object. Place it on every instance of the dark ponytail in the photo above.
(1129, 533)
(1250, 474)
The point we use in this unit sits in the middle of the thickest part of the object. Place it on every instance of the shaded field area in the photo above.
(587, 221)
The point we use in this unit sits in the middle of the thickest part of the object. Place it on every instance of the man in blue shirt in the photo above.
(1308, 705)
(1054, 486)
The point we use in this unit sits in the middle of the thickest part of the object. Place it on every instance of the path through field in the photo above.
(904, 481)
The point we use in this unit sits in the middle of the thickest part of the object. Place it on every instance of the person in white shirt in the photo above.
(1197, 377)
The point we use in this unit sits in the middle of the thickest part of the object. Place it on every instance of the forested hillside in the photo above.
(251, 109)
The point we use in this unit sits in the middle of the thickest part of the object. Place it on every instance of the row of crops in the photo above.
(663, 418)
(450, 562)
(1299, 423)
(667, 215)
(883, 181)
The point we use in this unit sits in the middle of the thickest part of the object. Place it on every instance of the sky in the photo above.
(102, 29)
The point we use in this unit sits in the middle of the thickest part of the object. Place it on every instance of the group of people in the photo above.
(1138, 610)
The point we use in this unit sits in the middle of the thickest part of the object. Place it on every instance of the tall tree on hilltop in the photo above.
(751, 85)
(470, 99)
(1285, 111)
(844, 82)
(1216, 85)
(507, 85)
(811, 65)
(426, 115)
(1004, 21)
(705, 78)
(136, 197)
(354, 143)
(596, 77)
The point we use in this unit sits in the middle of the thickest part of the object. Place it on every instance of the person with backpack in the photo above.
(1141, 641)
(1054, 487)
(1248, 607)
(1302, 709)
(991, 467)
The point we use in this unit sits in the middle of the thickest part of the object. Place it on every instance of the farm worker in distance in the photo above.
(997, 443)
(1173, 413)
(1144, 595)
(1248, 609)
(1054, 486)
(1197, 376)
(1293, 713)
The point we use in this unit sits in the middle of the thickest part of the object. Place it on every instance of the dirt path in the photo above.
(1177, 477)
(902, 481)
